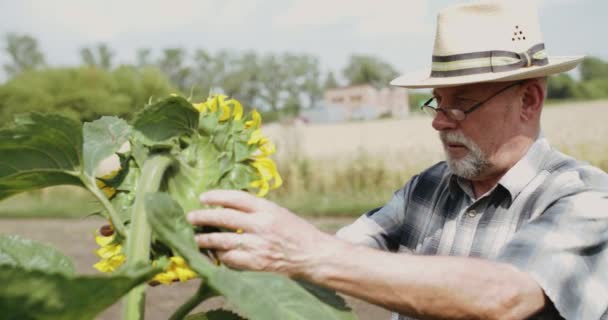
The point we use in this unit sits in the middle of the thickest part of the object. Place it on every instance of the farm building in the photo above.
(359, 102)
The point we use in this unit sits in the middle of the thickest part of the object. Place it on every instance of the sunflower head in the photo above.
(225, 149)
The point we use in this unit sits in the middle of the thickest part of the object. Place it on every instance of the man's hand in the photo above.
(267, 238)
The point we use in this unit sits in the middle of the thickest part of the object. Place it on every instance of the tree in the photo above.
(101, 56)
(172, 65)
(330, 81)
(243, 81)
(273, 77)
(562, 86)
(143, 57)
(363, 69)
(208, 71)
(593, 68)
(24, 54)
(82, 93)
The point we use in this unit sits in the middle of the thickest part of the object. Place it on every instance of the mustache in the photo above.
(455, 137)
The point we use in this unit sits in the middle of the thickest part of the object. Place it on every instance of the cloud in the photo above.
(368, 17)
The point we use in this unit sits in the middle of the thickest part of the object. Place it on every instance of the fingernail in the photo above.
(202, 198)
(190, 216)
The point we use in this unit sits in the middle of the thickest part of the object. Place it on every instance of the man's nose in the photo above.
(442, 122)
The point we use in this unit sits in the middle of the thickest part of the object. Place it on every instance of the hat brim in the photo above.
(422, 79)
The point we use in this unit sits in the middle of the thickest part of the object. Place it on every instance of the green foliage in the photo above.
(39, 151)
(99, 57)
(593, 68)
(23, 52)
(31, 255)
(166, 119)
(172, 64)
(103, 138)
(38, 282)
(562, 86)
(81, 93)
(363, 69)
(416, 99)
(34, 294)
(593, 83)
(43, 151)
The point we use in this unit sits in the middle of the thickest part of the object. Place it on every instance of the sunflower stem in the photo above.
(140, 232)
(116, 221)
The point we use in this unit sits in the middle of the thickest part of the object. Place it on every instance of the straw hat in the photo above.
(487, 41)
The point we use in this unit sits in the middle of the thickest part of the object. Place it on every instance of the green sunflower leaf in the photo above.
(103, 138)
(31, 255)
(35, 294)
(39, 151)
(166, 119)
(257, 295)
(169, 224)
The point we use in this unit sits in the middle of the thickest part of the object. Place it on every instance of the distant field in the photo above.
(575, 127)
(349, 168)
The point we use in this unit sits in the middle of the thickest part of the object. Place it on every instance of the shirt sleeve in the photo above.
(566, 251)
(380, 228)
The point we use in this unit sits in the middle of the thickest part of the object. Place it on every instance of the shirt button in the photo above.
(472, 213)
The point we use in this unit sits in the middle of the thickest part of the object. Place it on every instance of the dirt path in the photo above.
(75, 238)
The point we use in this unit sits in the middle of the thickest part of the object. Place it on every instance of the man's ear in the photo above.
(532, 99)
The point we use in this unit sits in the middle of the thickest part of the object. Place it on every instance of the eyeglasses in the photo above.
(431, 108)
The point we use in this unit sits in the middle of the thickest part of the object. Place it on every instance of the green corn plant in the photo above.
(176, 150)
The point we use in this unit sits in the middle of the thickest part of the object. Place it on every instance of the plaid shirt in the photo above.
(547, 216)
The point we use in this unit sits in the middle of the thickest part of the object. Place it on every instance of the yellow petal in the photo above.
(265, 166)
(255, 137)
(177, 261)
(267, 149)
(184, 273)
(256, 120)
(166, 277)
(109, 250)
(201, 106)
(262, 185)
(268, 171)
(216, 101)
(277, 180)
(111, 264)
(237, 111)
(104, 241)
(103, 266)
(212, 103)
(225, 113)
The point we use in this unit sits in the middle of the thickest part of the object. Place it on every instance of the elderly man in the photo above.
(505, 228)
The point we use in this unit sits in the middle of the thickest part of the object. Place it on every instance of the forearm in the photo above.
(427, 286)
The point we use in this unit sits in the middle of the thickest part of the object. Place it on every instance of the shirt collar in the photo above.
(526, 168)
(514, 181)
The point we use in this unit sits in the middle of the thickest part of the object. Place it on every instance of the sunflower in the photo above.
(229, 150)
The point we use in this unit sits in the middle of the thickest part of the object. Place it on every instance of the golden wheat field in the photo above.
(580, 129)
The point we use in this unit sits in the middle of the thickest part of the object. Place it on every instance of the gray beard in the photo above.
(473, 164)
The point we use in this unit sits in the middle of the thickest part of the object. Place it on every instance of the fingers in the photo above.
(226, 218)
(238, 259)
(234, 199)
(223, 241)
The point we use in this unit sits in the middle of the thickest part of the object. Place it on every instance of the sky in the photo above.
(398, 31)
